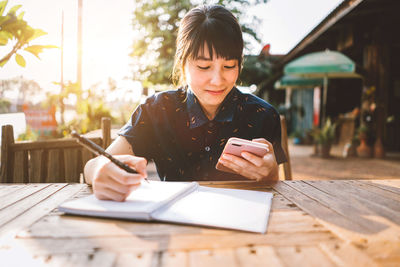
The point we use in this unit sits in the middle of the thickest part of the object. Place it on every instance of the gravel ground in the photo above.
(308, 167)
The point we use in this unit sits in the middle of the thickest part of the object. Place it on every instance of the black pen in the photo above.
(99, 151)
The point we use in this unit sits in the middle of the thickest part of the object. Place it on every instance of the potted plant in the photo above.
(363, 150)
(324, 137)
(297, 137)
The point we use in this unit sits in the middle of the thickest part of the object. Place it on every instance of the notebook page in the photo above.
(139, 204)
(220, 207)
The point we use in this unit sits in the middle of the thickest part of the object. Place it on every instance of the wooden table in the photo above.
(312, 223)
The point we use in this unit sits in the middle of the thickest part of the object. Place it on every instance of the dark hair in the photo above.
(214, 26)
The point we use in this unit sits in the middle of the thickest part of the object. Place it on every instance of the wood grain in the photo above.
(311, 224)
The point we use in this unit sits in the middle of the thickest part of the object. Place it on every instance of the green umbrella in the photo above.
(297, 82)
(325, 64)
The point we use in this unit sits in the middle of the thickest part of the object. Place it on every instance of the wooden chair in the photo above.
(285, 168)
(56, 160)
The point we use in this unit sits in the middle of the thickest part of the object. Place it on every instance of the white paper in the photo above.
(219, 207)
(139, 204)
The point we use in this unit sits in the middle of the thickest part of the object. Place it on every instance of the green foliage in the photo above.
(325, 135)
(4, 105)
(14, 30)
(90, 108)
(28, 135)
(156, 24)
(27, 89)
(88, 120)
(363, 132)
(254, 70)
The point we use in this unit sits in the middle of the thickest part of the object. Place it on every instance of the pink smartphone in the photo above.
(236, 146)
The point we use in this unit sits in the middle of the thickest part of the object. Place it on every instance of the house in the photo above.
(366, 31)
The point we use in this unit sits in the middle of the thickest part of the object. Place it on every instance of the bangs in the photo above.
(219, 40)
(211, 29)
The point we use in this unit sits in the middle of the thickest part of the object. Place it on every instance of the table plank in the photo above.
(389, 185)
(178, 242)
(6, 189)
(345, 254)
(10, 197)
(334, 221)
(378, 190)
(258, 256)
(384, 252)
(82, 227)
(341, 205)
(133, 243)
(12, 211)
(136, 259)
(363, 205)
(55, 196)
(99, 259)
(310, 256)
(367, 201)
(173, 259)
(212, 258)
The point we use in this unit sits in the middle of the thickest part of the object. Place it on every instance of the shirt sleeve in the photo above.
(139, 132)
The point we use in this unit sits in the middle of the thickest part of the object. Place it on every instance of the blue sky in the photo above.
(107, 36)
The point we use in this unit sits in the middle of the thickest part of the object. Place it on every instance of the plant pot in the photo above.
(296, 140)
(316, 150)
(364, 150)
(379, 151)
(325, 150)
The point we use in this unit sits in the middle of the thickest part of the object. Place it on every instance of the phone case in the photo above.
(236, 146)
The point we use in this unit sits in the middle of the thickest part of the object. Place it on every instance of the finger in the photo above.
(260, 140)
(264, 141)
(244, 171)
(257, 161)
(116, 186)
(235, 160)
(123, 177)
(109, 194)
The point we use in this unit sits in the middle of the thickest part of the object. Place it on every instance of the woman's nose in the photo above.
(217, 77)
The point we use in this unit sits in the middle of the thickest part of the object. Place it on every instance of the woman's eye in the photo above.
(230, 67)
(203, 68)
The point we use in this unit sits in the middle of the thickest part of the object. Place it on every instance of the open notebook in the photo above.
(183, 202)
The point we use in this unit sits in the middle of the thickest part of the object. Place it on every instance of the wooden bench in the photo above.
(56, 160)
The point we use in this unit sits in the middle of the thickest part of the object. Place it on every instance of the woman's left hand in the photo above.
(252, 166)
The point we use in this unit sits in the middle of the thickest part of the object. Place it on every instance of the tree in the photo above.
(156, 24)
(254, 70)
(17, 34)
(27, 89)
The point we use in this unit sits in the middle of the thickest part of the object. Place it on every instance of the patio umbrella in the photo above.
(297, 82)
(326, 64)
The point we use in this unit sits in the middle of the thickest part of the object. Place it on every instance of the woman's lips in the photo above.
(215, 92)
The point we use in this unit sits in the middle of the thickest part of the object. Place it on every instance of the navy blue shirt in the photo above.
(171, 129)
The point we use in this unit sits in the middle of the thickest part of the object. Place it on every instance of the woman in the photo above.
(184, 131)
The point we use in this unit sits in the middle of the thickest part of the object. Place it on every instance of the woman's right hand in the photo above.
(113, 183)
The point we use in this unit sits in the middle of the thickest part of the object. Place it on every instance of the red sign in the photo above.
(41, 119)
(317, 103)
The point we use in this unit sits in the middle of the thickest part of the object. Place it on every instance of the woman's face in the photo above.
(211, 80)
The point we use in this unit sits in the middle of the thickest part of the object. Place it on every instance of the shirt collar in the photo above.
(196, 115)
